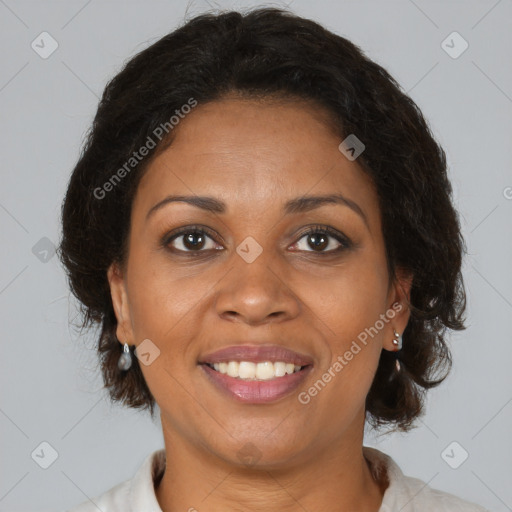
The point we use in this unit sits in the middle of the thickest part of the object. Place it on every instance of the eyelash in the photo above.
(344, 241)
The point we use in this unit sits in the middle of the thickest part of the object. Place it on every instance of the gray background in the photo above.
(51, 388)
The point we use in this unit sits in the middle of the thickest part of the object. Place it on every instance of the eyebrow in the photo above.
(298, 205)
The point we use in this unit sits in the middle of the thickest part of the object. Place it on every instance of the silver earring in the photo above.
(125, 361)
(397, 342)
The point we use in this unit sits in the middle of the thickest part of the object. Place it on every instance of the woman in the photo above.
(261, 222)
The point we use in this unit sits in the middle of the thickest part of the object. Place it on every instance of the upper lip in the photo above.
(256, 354)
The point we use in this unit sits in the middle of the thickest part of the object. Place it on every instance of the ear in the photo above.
(398, 306)
(124, 331)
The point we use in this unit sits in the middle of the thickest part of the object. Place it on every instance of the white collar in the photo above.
(403, 493)
(142, 488)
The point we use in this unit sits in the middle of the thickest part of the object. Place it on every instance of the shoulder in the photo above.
(422, 497)
(114, 499)
(409, 494)
(135, 494)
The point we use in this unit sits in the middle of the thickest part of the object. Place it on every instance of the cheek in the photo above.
(352, 313)
(164, 309)
(168, 305)
(161, 298)
(348, 300)
(351, 305)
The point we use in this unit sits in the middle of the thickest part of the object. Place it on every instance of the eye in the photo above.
(322, 239)
(190, 239)
(197, 239)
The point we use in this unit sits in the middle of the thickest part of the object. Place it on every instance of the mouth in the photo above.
(256, 374)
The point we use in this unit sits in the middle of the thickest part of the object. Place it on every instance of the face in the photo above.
(260, 273)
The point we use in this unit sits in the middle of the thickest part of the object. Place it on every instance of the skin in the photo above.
(255, 156)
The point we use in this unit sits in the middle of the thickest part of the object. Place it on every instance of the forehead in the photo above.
(248, 152)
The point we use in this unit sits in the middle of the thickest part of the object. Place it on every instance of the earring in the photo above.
(125, 361)
(397, 342)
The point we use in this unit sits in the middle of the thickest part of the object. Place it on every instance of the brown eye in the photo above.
(318, 241)
(322, 240)
(191, 240)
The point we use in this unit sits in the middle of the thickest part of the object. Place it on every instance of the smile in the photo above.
(247, 370)
(247, 388)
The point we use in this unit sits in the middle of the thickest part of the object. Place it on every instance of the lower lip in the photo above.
(256, 391)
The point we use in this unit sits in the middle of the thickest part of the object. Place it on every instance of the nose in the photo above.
(256, 293)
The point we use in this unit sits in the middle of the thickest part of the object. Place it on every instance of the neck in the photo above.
(336, 477)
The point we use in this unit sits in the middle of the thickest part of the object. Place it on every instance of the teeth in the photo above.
(233, 368)
(246, 370)
(265, 371)
(256, 371)
(279, 368)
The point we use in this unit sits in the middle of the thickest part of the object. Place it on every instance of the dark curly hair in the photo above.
(267, 53)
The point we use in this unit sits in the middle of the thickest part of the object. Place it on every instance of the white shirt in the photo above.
(403, 494)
